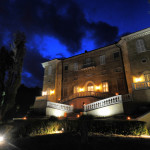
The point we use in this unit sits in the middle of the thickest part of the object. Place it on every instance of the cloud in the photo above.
(32, 69)
(63, 20)
(103, 33)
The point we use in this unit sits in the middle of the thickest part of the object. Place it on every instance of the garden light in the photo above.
(128, 118)
(24, 118)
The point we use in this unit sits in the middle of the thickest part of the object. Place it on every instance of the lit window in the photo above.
(75, 89)
(44, 93)
(102, 60)
(105, 87)
(147, 77)
(140, 46)
(90, 87)
(49, 70)
(75, 66)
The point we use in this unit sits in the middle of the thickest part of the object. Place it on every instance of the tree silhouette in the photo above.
(14, 68)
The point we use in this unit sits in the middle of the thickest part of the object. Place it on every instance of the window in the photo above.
(66, 67)
(75, 66)
(144, 60)
(140, 46)
(147, 77)
(88, 60)
(90, 87)
(102, 60)
(75, 89)
(116, 55)
(49, 70)
(105, 87)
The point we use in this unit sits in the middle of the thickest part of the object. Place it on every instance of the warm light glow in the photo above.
(78, 116)
(81, 89)
(128, 118)
(59, 99)
(97, 87)
(24, 118)
(116, 94)
(52, 92)
(44, 93)
(72, 105)
(138, 79)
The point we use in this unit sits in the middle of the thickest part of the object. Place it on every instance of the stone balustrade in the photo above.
(63, 107)
(141, 85)
(103, 103)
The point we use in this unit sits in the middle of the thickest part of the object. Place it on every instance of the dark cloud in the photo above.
(61, 19)
(103, 33)
(33, 71)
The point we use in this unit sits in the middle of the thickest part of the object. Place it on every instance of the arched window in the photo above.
(140, 46)
(90, 87)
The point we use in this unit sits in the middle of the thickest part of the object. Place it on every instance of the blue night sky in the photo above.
(63, 28)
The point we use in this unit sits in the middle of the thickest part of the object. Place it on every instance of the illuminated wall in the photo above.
(107, 111)
(54, 112)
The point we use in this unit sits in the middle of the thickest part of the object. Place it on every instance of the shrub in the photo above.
(124, 127)
(86, 123)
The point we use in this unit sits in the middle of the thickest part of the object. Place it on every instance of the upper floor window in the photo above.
(140, 46)
(66, 67)
(116, 55)
(49, 70)
(75, 89)
(88, 60)
(75, 66)
(102, 60)
(105, 87)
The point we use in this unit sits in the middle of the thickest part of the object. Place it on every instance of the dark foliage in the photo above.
(25, 98)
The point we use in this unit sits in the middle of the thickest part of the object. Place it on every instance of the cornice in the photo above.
(136, 35)
(50, 62)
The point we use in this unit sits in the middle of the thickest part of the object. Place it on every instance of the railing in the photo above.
(88, 94)
(88, 64)
(141, 85)
(127, 98)
(63, 107)
(103, 103)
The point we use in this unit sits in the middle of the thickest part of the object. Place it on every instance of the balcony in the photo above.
(141, 85)
(87, 66)
(88, 94)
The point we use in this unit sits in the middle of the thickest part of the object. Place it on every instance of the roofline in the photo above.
(123, 38)
(136, 34)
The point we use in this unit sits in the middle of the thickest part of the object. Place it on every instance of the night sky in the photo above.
(63, 28)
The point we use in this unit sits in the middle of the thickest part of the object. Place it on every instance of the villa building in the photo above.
(109, 79)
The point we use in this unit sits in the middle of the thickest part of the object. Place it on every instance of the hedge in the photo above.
(43, 127)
